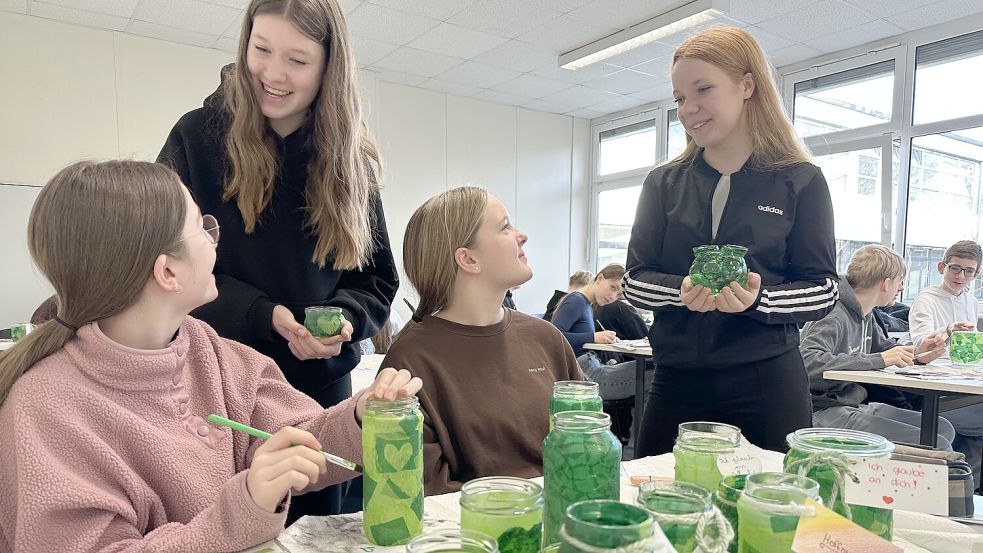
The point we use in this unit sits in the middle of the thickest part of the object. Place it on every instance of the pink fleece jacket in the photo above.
(106, 448)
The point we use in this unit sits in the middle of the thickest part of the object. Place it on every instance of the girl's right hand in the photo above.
(696, 298)
(290, 459)
(301, 343)
(605, 337)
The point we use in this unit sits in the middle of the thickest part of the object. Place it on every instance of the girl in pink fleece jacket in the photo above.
(103, 408)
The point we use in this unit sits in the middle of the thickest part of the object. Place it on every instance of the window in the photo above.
(855, 190)
(629, 147)
(944, 201)
(615, 216)
(851, 99)
(676, 136)
(948, 78)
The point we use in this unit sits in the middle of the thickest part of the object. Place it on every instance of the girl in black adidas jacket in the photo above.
(744, 179)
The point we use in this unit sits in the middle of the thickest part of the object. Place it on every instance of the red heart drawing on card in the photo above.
(888, 499)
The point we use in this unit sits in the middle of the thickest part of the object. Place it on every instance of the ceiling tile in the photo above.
(532, 86)
(848, 38)
(188, 15)
(660, 68)
(626, 82)
(618, 104)
(566, 33)
(940, 12)
(549, 107)
(417, 62)
(226, 44)
(348, 6)
(502, 98)
(119, 8)
(885, 8)
(562, 6)
(398, 77)
(509, 18)
(621, 14)
(395, 27)
(656, 93)
(457, 41)
(518, 56)
(235, 28)
(450, 88)
(171, 34)
(674, 40)
(16, 6)
(642, 54)
(478, 74)
(753, 11)
(769, 42)
(369, 51)
(578, 76)
(792, 54)
(585, 114)
(434, 9)
(78, 17)
(240, 4)
(580, 96)
(816, 20)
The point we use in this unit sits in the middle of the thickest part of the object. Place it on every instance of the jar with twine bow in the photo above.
(770, 508)
(686, 515)
(827, 455)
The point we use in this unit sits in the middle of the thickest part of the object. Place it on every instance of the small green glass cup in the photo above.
(324, 321)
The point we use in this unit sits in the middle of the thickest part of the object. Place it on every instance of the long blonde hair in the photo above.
(343, 174)
(611, 271)
(774, 142)
(436, 230)
(95, 231)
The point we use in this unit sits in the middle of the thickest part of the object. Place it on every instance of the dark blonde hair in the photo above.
(581, 278)
(436, 230)
(611, 271)
(95, 232)
(343, 174)
(966, 249)
(873, 263)
(774, 142)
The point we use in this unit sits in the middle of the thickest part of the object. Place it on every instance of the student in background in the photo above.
(744, 178)
(489, 370)
(949, 306)
(104, 406)
(577, 280)
(280, 155)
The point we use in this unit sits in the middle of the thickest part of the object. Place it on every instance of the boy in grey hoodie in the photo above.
(849, 339)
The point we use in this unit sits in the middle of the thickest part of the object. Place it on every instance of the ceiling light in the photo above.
(669, 23)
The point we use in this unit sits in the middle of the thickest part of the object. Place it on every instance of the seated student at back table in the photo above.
(103, 407)
(489, 370)
(577, 281)
(848, 339)
(948, 306)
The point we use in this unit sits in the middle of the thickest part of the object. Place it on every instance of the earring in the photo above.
(178, 288)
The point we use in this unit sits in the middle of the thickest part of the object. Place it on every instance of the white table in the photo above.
(6, 344)
(640, 355)
(939, 395)
(913, 532)
(363, 375)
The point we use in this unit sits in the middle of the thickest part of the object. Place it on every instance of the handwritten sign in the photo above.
(742, 461)
(828, 532)
(907, 486)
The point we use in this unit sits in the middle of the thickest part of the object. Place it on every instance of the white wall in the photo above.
(85, 93)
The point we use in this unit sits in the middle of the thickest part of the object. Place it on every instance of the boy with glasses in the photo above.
(948, 306)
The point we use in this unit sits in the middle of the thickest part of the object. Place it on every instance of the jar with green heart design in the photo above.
(392, 451)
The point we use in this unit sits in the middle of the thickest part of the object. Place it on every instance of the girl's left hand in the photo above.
(735, 298)
(389, 385)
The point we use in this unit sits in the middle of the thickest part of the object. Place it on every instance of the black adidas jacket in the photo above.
(784, 218)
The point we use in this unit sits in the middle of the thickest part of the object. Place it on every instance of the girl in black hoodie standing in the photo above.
(282, 158)
(744, 178)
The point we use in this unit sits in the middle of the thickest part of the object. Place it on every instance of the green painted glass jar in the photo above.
(966, 348)
(686, 515)
(728, 493)
(826, 455)
(704, 266)
(453, 541)
(19, 330)
(507, 509)
(698, 445)
(715, 267)
(324, 321)
(581, 460)
(605, 525)
(770, 508)
(392, 451)
(574, 395)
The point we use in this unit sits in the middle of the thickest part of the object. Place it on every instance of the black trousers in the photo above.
(766, 400)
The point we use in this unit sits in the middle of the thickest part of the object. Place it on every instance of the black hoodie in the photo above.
(273, 265)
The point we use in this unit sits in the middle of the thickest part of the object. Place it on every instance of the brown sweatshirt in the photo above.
(485, 396)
